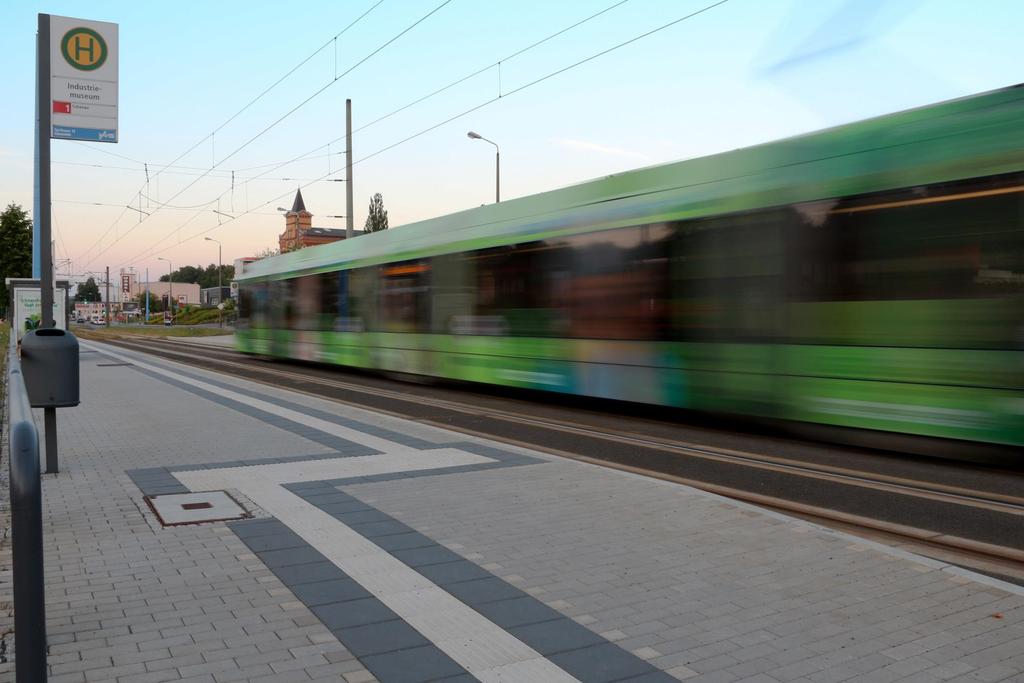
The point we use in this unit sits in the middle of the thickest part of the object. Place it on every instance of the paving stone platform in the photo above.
(377, 548)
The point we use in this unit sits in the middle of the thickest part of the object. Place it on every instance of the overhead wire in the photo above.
(303, 103)
(227, 175)
(222, 125)
(290, 112)
(310, 154)
(460, 115)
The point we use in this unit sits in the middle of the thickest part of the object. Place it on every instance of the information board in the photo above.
(28, 309)
(83, 79)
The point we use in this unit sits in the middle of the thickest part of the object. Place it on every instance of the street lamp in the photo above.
(170, 286)
(497, 163)
(220, 288)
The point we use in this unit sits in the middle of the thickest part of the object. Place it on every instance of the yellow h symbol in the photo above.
(89, 47)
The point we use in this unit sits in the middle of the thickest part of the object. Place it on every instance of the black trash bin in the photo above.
(49, 363)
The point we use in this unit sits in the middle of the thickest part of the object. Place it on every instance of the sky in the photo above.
(740, 73)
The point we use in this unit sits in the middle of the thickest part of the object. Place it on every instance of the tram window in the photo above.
(963, 240)
(361, 313)
(728, 274)
(404, 296)
(338, 302)
(512, 292)
(305, 294)
(327, 307)
(281, 304)
(929, 266)
(614, 284)
(247, 315)
(452, 294)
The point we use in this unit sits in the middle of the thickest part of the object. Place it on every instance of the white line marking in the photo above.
(347, 433)
(482, 647)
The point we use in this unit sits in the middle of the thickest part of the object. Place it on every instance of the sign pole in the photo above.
(44, 106)
(43, 219)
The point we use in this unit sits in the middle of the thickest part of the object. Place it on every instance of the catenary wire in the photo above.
(293, 110)
(278, 121)
(201, 141)
(310, 154)
(457, 116)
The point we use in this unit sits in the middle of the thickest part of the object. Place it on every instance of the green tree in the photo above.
(205, 277)
(155, 303)
(88, 291)
(184, 274)
(377, 218)
(15, 248)
(209, 276)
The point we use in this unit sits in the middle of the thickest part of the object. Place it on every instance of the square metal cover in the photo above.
(195, 508)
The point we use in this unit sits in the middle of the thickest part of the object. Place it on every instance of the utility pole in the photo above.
(349, 213)
(146, 321)
(107, 297)
(220, 283)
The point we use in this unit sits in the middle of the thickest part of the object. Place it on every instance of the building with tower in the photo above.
(299, 231)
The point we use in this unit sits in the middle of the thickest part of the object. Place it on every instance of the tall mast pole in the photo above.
(349, 211)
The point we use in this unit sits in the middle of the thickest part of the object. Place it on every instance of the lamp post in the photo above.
(220, 287)
(170, 286)
(497, 163)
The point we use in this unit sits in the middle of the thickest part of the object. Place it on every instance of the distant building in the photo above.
(240, 264)
(299, 231)
(184, 292)
(211, 296)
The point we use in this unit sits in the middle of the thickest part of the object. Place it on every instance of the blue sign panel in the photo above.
(89, 134)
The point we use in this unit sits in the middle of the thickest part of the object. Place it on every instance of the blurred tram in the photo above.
(868, 277)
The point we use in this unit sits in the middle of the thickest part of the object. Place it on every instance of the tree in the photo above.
(183, 274)
(267, 253)
(205, 277)
(88, 291)
(15, 247)
(155, 303)
(377, 218)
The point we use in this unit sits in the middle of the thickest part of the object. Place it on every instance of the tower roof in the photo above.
(298, 205)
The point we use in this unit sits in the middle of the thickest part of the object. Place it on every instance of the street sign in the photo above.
(83, 80)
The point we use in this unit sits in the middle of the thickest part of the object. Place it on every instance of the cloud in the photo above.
(603, 149)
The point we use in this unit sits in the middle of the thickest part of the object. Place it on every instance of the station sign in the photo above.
(83, 79)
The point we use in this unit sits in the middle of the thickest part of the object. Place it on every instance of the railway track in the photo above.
(925, 507)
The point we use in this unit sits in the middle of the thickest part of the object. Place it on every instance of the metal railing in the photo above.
(26, 527)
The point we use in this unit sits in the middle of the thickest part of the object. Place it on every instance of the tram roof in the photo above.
(971, 136)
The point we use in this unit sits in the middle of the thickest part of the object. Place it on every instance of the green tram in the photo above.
(869, 276)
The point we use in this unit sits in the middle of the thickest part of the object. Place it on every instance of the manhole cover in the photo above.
(195, 508)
